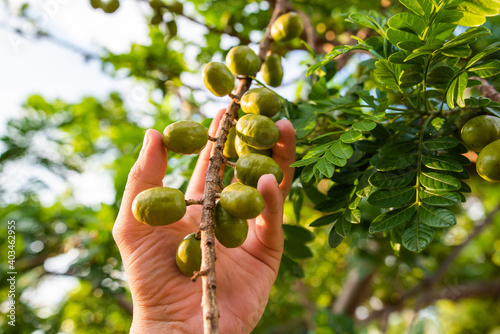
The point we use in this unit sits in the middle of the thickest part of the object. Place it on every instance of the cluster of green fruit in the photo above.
(108, 6)
(251, 141)
(482, 134)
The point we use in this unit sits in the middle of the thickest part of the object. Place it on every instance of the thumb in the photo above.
(147, 172)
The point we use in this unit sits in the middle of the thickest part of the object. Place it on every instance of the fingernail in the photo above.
(145, 143)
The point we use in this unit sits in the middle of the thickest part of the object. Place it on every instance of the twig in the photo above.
(207, 226)
(214, 139)
(194, 201)
(229, 163)
(487, 90)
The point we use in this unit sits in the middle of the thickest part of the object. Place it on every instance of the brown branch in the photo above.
(354, 291)
(428, 283)
(214, 139)
(207, 226)
(487, 90)
(229, 163)
(194, 201)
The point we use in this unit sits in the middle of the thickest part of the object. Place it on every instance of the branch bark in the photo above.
(207, 225)
(487, 90)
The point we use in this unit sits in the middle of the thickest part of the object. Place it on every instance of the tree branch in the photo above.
(428, 283)
(487, 90)
(207, 226)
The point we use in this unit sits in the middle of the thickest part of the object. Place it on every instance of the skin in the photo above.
(165, 301)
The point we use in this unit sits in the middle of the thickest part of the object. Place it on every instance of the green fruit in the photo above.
(96, 3)
(272, 71)
(242, 148)
(188, 255)
(287, 27)
(480, 131)
(260, 101)
(159, 206)
(488, 162)
(156, 4)
(242, 201)
(110, 6)
(218, 79)
(185, 137)
(257, 131)
(176, 7)
(241, 60)
(230, 231)
(250, 167)
(229, 149)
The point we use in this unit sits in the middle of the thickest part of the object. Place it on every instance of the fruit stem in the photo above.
(221, 185)
(194, 201)
(229, 163)
(214, 139)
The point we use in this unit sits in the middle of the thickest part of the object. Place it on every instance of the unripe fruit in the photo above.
(272, 70)
(260, 101)
(230, 231)
(218, 79)
(488, 162)
(241, 60)
(96, 3)
(249, 168)
(287, 27)
(242, 148)
(480, 131)
(257, 131)
(159, 206)
(188, 255)
(242, 201)
(110, 6)
(229, 148)
(185, 137)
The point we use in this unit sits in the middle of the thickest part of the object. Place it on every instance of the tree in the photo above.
(380, 168)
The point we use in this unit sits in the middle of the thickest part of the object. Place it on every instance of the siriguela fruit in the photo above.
(229, 230)
(287, 27)
(188, 255)
(272, 70)
(241, 60)
(243, 148)
(249, 168)
(159, 206)
(185, 137)
(260, 101)
(480, 131)
(242, 201)
(488, 162)
(218, 78)
(257, 131)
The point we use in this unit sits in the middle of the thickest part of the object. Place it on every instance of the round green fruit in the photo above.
(185, 137)
(110, 6)
(480, 131)
(96, 3)
(230, 231)
(272, 71)
(241, 60)
(218, 78)
(188, 255)
(229, 148)
(488, 162)
(159, 206)
(242, 148)
(260, 101)
(257, 131)
(287, 27)
(242, 201)
(249, 168)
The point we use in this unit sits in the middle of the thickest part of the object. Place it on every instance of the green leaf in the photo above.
(290, 266)
(388, 73)
(351, 136)
(398, 148)
(441, 143)
(478, 7)
(395, 179)
(334, 159)
(460, 52)
(326, 220)
(325, 167)
(412, 77)
(436, 217)
(354, 216)
(486, 69)
(485, 52)
(363, 20)
(316, 151)
(438, 181)
(307, 173)
(297, 234)
(364, 126)
(439, 198)
(417, 236)
(451, 93)
(396, 162)
(396, 36)
(305, 123)
(408, 22)
(297, 250)
(442, 163)
(341, 149)
(440, 77)
(389, 198)
(343, 227)
(467, 37)
(334, 240)
(465, 188)
(461, 86)
(422, 8)
(304, 162)
(391, 219)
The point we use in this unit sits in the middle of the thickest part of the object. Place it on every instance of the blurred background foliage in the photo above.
(359, 287)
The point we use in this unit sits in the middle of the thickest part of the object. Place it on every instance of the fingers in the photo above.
(197, 182)
(147, 172)
(284, 154)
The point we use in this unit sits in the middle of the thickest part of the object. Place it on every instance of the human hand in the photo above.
(165, 301)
